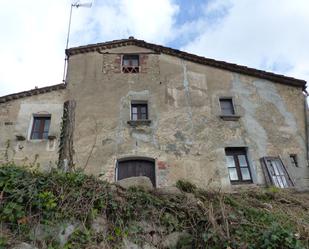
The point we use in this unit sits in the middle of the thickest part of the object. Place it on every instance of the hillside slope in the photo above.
(72, 210)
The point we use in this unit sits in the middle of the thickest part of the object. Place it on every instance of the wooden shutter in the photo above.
(227, 107)
(139, 167)
(275, 172)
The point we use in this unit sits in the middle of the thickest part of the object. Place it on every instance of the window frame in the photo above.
(41, 128)
(235, 152)
(228, 116)
(139, 113)
(230, 99)
(130, 68)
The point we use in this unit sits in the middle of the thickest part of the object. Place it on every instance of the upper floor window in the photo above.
(227, 106)
(130, 63)
(238, 166)
(40, 127)
(139, 111)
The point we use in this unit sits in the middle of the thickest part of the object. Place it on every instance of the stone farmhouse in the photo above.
(132, 108)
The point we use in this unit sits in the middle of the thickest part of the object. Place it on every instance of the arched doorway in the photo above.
(136, 167)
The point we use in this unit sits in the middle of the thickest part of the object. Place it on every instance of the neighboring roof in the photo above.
(190, 57)
(32, 92)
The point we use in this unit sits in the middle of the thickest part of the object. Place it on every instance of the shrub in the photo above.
(278, 237)
(186, 186)
(210, 219)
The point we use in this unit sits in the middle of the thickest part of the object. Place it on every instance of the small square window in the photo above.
(139, 111)
(294, 161)
(40, 127)
(227, 106)
(238, 166)
(130, 63)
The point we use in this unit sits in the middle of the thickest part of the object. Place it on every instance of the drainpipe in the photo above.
(307, 124)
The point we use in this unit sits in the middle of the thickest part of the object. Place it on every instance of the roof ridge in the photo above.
(279, 78)
(31, 92)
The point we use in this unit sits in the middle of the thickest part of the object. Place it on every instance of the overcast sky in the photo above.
(272, 35)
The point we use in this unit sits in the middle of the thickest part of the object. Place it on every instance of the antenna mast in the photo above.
(76, 5)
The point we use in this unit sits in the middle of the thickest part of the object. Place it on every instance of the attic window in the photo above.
(130, 63)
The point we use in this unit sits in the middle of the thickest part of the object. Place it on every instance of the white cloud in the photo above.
(32, 44)
(118, 19)
(266, 34)
(34, 34)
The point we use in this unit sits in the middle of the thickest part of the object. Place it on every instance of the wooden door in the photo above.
(131, 168)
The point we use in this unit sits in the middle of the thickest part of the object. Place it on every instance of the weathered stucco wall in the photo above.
(16, 119)
(186, 136)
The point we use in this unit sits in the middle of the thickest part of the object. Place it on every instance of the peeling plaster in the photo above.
(187, 96)
(145, 134)
(120, 126)
(257, 134)
(269, 93)
(186, 136)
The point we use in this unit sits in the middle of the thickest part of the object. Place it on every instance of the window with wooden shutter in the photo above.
(136, 167)
(227, 106)
(275, 172)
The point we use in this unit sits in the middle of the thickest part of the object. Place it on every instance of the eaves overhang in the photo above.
(32, 92)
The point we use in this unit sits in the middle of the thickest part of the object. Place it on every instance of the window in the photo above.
(130, 63)
(139, 111)
(275, 172)
(293, 158)
(238, 166)
(40, 127)
(227, 107)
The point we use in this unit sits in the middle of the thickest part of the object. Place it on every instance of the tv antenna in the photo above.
(73, 5)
